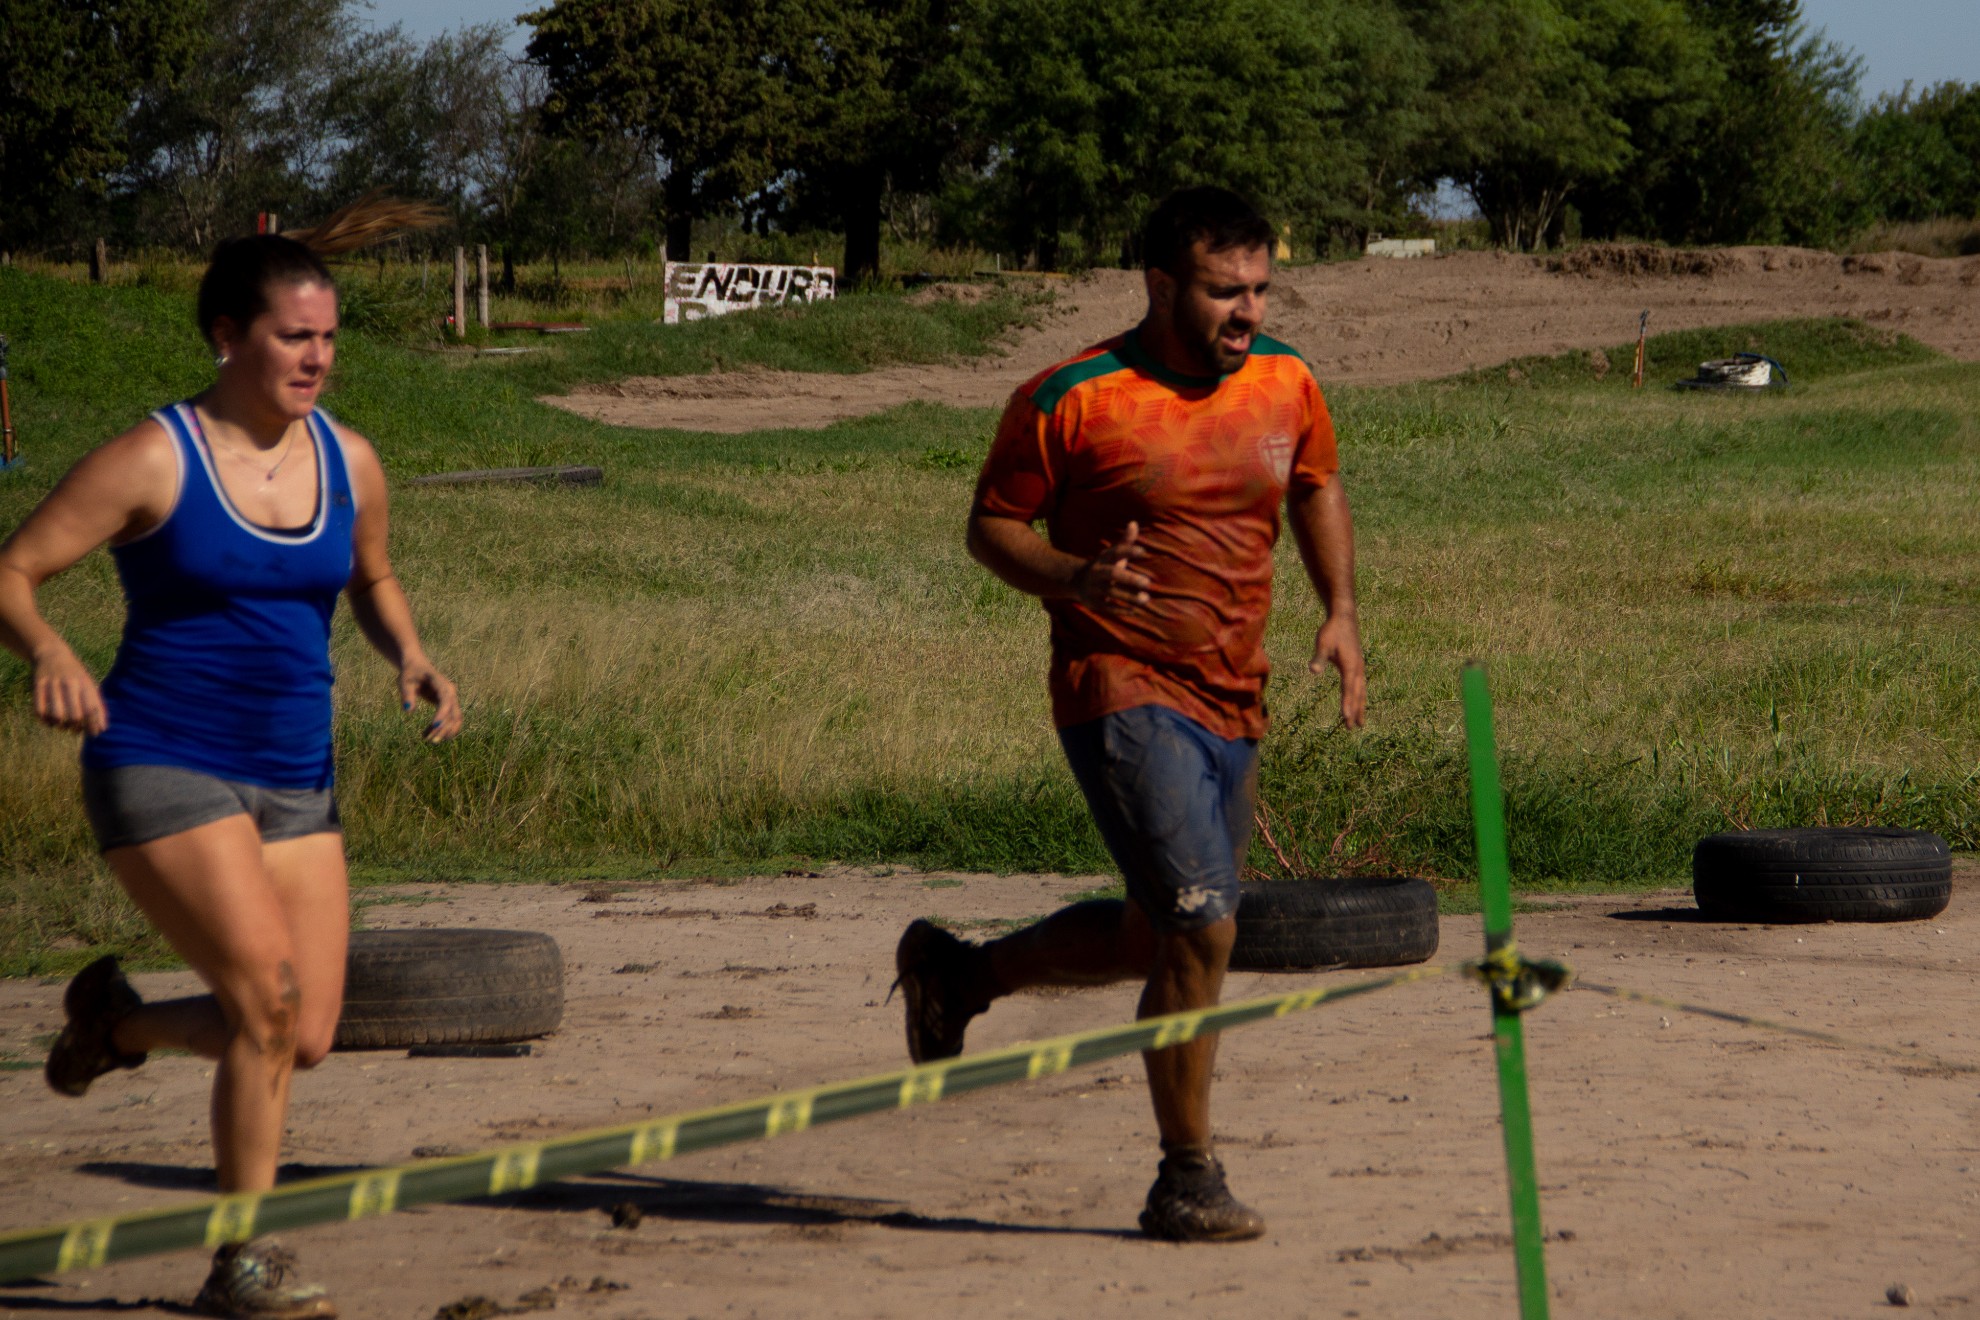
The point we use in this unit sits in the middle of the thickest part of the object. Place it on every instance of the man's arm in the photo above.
(1324, 529)
(1010, 548)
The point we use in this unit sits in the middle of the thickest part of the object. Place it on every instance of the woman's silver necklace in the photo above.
(288, 444)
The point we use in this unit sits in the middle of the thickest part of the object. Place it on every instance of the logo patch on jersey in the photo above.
(1275, 451)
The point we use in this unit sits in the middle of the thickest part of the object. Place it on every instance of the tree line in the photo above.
(1039, 128)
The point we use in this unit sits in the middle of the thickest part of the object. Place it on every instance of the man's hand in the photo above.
(1338, 643)
(1110, 581)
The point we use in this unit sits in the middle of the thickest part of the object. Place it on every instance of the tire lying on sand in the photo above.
(435, 987)
(1359, 921)
(1853, 874)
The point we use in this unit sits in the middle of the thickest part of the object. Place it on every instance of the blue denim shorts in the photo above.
(1173, 802)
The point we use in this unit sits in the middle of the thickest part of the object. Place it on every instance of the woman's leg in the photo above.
(314, 889)
(209, 892)
(312, 885)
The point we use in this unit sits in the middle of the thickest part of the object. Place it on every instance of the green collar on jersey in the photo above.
(1128, 354)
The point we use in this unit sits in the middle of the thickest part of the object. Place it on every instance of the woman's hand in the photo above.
(420, 681)
(65, 696)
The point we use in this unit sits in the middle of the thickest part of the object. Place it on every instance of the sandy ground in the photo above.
(1374, 322)
(1689, 1168)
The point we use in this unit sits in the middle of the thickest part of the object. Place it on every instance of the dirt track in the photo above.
(1689, 1168)
(1376, 322)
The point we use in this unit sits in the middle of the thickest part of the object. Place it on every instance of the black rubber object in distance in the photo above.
(1839, 874)
(1357, 921)
(434, 987)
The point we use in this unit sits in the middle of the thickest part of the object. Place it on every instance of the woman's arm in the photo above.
(379, 603)
(117, 491)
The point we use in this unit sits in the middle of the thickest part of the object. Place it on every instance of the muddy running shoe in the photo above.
(251, 1281)
(1191, 1203)
(937, 974)
(95, 1002)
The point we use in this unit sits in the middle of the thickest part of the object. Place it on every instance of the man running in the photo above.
(1158, 461)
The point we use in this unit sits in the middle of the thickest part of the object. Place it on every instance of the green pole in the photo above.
(1495, 895)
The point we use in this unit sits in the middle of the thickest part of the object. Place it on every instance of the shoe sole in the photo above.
(1230, 1235)
(911, 979)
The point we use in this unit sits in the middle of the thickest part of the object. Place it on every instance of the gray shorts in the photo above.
(132, 804)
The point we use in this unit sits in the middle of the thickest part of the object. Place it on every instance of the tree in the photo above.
(245, 127)
(1386, 119)
(1524, 115)
(883, 91)
(1921, 153)
(1757, 149)
(699, 86)
(421, 121)
(1097, 110)
(68, 74)
(1664, 80)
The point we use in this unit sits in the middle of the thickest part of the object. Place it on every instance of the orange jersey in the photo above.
(1112, 436)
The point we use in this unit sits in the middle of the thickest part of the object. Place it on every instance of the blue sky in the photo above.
(1925, 41)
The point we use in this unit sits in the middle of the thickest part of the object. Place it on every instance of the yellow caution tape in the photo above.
(371, 1192)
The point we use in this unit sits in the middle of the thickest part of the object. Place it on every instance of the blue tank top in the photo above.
(225, 662)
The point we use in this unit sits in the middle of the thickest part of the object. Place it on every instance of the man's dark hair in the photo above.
(1215, 217)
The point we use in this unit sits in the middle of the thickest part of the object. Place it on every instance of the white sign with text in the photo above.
(697, 289)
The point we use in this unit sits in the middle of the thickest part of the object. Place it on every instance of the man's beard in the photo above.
(1204, 343)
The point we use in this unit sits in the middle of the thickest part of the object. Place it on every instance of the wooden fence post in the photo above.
(460, 293)
(481, 261)
(99, 263)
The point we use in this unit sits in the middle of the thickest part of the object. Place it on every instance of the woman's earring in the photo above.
(219, 359)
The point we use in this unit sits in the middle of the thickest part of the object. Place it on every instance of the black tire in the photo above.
(434, 987)
(1804, 875)
(1360, 921)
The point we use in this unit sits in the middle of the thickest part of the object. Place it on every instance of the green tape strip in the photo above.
(1509, 1040)
(372, 1192)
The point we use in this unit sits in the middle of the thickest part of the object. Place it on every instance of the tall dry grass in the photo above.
(1945, 237)
(1697, 612)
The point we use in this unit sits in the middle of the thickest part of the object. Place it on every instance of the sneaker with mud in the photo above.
(1190, 1202)
(96, 1001)
(938, 975)
(252, 1281)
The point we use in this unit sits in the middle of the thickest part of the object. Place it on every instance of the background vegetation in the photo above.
(1038, 130)
(744, 651)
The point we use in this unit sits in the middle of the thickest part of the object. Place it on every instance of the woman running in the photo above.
(234, 519)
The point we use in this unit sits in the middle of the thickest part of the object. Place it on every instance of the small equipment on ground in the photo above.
(1741, 371)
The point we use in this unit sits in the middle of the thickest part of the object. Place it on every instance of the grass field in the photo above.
(742, 651)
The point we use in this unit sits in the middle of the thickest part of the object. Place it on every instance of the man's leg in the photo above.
(1174, 806)
(1102, 942)
(1188, 974)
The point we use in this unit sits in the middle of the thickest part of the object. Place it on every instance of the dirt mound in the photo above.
(1638, 259)
(1374, 322)
(946, 291)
